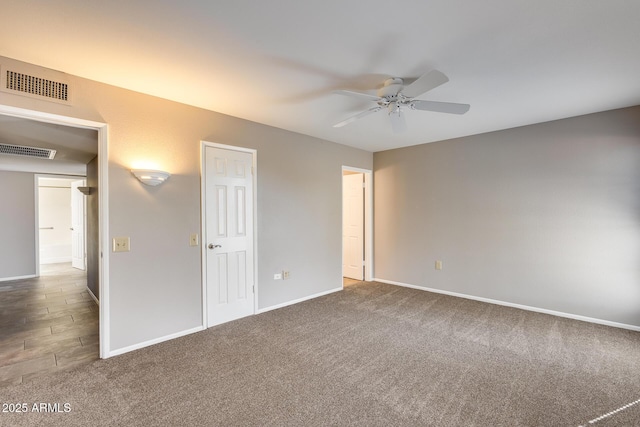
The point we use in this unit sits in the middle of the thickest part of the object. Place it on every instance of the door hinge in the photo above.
(253, 170)
(253, 289)
(364, 185)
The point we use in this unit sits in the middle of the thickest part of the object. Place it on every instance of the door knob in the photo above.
(212, 246)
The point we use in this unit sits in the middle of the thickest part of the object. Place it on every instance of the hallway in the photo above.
(47, 324)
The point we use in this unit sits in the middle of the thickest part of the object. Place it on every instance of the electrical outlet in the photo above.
(277, 276)
(285, 274)
(193, 239)
(438, 265)
(121, 244)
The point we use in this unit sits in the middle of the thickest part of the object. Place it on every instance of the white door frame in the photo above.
(203, 240)
(368, 220)
(103, 222)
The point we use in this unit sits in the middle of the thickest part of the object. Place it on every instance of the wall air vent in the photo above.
(19, 150)
(36, 82)
(37, 86)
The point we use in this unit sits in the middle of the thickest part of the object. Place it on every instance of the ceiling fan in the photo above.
(394, 96)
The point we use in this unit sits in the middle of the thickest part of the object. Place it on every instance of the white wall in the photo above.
(17, 225)
(546, 216)
(54, 214)
(155, 289)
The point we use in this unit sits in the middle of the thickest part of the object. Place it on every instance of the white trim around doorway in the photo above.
(103, 183)
(368, 218)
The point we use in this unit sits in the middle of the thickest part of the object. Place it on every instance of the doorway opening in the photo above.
(45, 126)
(357, 225)
(61, 216)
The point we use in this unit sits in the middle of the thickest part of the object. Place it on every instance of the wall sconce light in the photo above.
(150, 177)
(85, 190)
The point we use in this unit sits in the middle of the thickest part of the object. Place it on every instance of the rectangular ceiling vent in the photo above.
(36, 82)
(19, 150)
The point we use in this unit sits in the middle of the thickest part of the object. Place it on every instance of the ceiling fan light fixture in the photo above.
(394, 107)
(393, 95)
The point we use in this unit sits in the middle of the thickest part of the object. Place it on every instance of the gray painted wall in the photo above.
(17, 225)
(93, 237)
(546, 216)
(155, 289)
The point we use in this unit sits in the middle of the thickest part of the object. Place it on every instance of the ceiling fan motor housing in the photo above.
(391, 87)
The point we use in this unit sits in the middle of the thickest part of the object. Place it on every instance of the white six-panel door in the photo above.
(228, 234)
(353, 226)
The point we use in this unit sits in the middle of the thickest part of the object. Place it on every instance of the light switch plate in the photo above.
(193, 239)
(121, 244)
(438, 265)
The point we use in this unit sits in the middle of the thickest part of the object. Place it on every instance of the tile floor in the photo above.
(47, 324)
(348, 282)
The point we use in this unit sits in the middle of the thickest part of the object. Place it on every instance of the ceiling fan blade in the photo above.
(364, 96)
(398, 123)
(425, 83)
(357, 116)
(440, 107)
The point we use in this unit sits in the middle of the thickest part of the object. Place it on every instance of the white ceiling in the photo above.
(277, 61)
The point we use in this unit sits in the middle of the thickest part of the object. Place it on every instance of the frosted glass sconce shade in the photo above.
(151, 177)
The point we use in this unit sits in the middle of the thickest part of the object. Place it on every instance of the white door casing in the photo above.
(77, 226)
(353, 226)
(103, 221)
(228, 234)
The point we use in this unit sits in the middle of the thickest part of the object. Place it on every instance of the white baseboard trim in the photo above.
(93, 296)
(152, 342)
(513, 305)
(202, 328)
(285, 304)
(6, 279)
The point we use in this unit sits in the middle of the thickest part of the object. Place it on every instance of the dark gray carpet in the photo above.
(372, 355)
